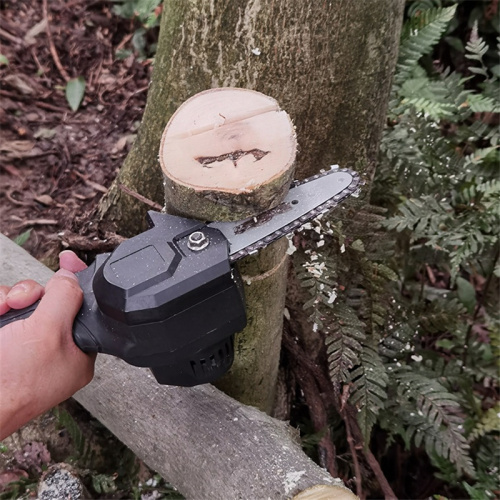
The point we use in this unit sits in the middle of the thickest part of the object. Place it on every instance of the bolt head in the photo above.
(197, 241)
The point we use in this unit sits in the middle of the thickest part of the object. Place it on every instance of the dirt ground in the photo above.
(55, 165)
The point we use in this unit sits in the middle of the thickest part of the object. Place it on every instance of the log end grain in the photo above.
(227, 154)
(326, 492)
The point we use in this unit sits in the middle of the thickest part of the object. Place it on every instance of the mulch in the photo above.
(56, 164)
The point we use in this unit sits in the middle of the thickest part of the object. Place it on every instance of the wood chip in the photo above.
(40, 222)
(16, 148)
(12, 170)
(45, 199)
(19, 84)
(29, 38)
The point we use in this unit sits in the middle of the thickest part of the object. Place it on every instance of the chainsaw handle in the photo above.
(17, 314)
(81, 334)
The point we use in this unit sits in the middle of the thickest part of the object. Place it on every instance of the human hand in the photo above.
(40, 365)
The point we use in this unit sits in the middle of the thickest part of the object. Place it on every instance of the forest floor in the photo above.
(55, 165)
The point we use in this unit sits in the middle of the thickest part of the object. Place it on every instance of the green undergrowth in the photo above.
(404, 289)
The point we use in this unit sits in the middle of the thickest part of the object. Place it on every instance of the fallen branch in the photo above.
(91, 244)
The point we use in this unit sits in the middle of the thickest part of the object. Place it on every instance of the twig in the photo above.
(139, 197)
(125, 40)
(41, 69)
(309, 385)
(132, 94)
(354, 453)
(91, 244)
(52, 47)
(40, 104)
(40, 222)
(8, 195)
(350, 417)
(11, 38)
(377, 470)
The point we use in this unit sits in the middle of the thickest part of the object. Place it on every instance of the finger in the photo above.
(61, 302)
(4, 307)
(68, 260)
(23, 294)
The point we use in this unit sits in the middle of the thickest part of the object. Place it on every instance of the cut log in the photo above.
(202, 441)
(227, 154)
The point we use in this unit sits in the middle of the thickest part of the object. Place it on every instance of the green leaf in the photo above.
(445, 344)
(466, 294)
(3, 60)
(358, 246)
(495, 70)
(75, 90)
(22, 238)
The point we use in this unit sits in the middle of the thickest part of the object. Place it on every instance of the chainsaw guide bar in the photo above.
(306, 200)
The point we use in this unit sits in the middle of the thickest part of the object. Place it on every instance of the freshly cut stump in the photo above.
(227, 154)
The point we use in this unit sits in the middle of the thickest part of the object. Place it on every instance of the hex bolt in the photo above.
(197, 241)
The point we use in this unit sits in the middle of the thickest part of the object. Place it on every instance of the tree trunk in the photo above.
(328, 64)
(205, 443)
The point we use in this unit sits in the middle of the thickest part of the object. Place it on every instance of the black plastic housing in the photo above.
(154, 302)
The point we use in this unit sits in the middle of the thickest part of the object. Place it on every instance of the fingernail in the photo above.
(18, 289)
(66, 274)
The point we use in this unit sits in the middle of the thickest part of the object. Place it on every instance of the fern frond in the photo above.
(419, 36)
(83, 448)
(436, 424)
(489, 422)
(368, 384)
(421, 216)
(475, 50)
(396, 344)
(344, 343)
(441, 315)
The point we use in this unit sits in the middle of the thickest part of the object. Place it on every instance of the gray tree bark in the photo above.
(328, 64)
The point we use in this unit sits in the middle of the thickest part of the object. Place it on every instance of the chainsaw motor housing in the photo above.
(169, 304)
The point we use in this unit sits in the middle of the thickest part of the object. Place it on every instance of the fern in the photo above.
(434, 421)
(368, 389)
(418, 38)
(476, 49)
(405, 350)
(84, 454)
(344, 339)
(489, 422)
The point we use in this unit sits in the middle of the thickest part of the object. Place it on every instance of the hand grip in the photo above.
(17, 314)
(82, 335)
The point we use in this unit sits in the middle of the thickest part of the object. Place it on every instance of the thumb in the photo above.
(60, 304)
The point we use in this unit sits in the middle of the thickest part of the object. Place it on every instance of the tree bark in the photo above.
(328, 64)
(206, 444)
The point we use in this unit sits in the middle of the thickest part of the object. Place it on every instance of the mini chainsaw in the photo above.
(171, 298)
